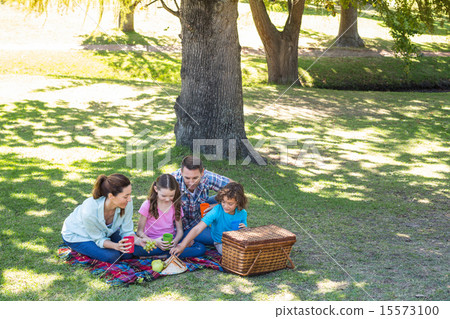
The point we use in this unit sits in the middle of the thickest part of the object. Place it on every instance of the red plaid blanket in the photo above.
(131, 271)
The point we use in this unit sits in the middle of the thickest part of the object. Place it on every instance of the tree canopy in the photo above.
(407, 18)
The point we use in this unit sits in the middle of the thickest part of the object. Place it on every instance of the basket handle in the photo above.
(290, 260)
(254, 262)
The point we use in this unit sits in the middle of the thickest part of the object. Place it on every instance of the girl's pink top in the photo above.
(155, 228)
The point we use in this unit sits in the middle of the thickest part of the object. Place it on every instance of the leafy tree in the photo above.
(405, 18)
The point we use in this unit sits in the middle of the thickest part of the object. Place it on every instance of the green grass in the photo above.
(377, 205)
(131, 38)
(355, 73)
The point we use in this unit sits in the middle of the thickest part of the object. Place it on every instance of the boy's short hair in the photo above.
(192, 163)
(233, 190)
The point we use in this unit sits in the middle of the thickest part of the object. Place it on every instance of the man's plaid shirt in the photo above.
(191, 202)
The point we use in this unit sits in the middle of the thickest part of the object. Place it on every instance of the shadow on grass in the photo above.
(156, 66)
(129, 38)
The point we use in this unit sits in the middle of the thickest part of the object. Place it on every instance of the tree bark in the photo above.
(281, 47)
(126, 20)
(348, 35)
(210, 104)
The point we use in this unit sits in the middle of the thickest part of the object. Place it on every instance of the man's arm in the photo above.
(217, 182)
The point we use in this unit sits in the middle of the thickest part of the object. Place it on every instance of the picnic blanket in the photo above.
(133, 271)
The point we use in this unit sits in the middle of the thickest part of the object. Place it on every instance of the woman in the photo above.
(96, 228)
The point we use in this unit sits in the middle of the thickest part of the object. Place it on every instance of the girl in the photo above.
(231, 210)
(96, 228)
(159, 213)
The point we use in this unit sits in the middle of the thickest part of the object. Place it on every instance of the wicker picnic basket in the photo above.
(258, 250)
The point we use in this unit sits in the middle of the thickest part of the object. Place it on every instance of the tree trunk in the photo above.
(281, 48)
(282, 60)
(210, 104)
(126, 20)
(348, 28)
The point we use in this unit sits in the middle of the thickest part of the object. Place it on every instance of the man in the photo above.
(195, 183)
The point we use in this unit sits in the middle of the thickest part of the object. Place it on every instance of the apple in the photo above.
(157, 265)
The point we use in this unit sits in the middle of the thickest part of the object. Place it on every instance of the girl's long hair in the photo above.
(165, 181)
(114, 184)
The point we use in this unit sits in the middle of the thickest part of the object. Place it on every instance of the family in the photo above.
(97, 227)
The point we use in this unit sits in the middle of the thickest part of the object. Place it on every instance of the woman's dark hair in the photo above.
(112, 184)
(165, 181)
(235, 191)
(192, 163)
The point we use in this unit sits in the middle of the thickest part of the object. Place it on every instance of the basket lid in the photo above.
(258, 235)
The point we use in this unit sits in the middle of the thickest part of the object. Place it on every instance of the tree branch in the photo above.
(150, 3)
(294, 19)
(175, 13)
(263, 24)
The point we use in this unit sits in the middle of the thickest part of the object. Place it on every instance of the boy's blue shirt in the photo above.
(221, 221)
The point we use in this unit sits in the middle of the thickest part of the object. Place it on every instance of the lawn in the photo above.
(370, 213)
(364, 184)
(343, 73)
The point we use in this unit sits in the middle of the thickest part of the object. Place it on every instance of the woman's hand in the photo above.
(242, 225)
(124, 246)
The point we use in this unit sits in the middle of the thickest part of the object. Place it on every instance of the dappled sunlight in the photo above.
(326, 286)
(82, 97)
(70, 201)
(46, 230)
(73, 176)
(337, 190)
(113, 131)
(8, 232)
(31, 196)
(227, 289)
(279, 295)
(56, 155)
(371, 134)
(426, 147)
(238, 285)
(439, 171)
(37, 248)
(167, 296)
(20, 281)
(369, 160)
(98, 285)
(306, 272)
(283, 294)
(36, 213)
